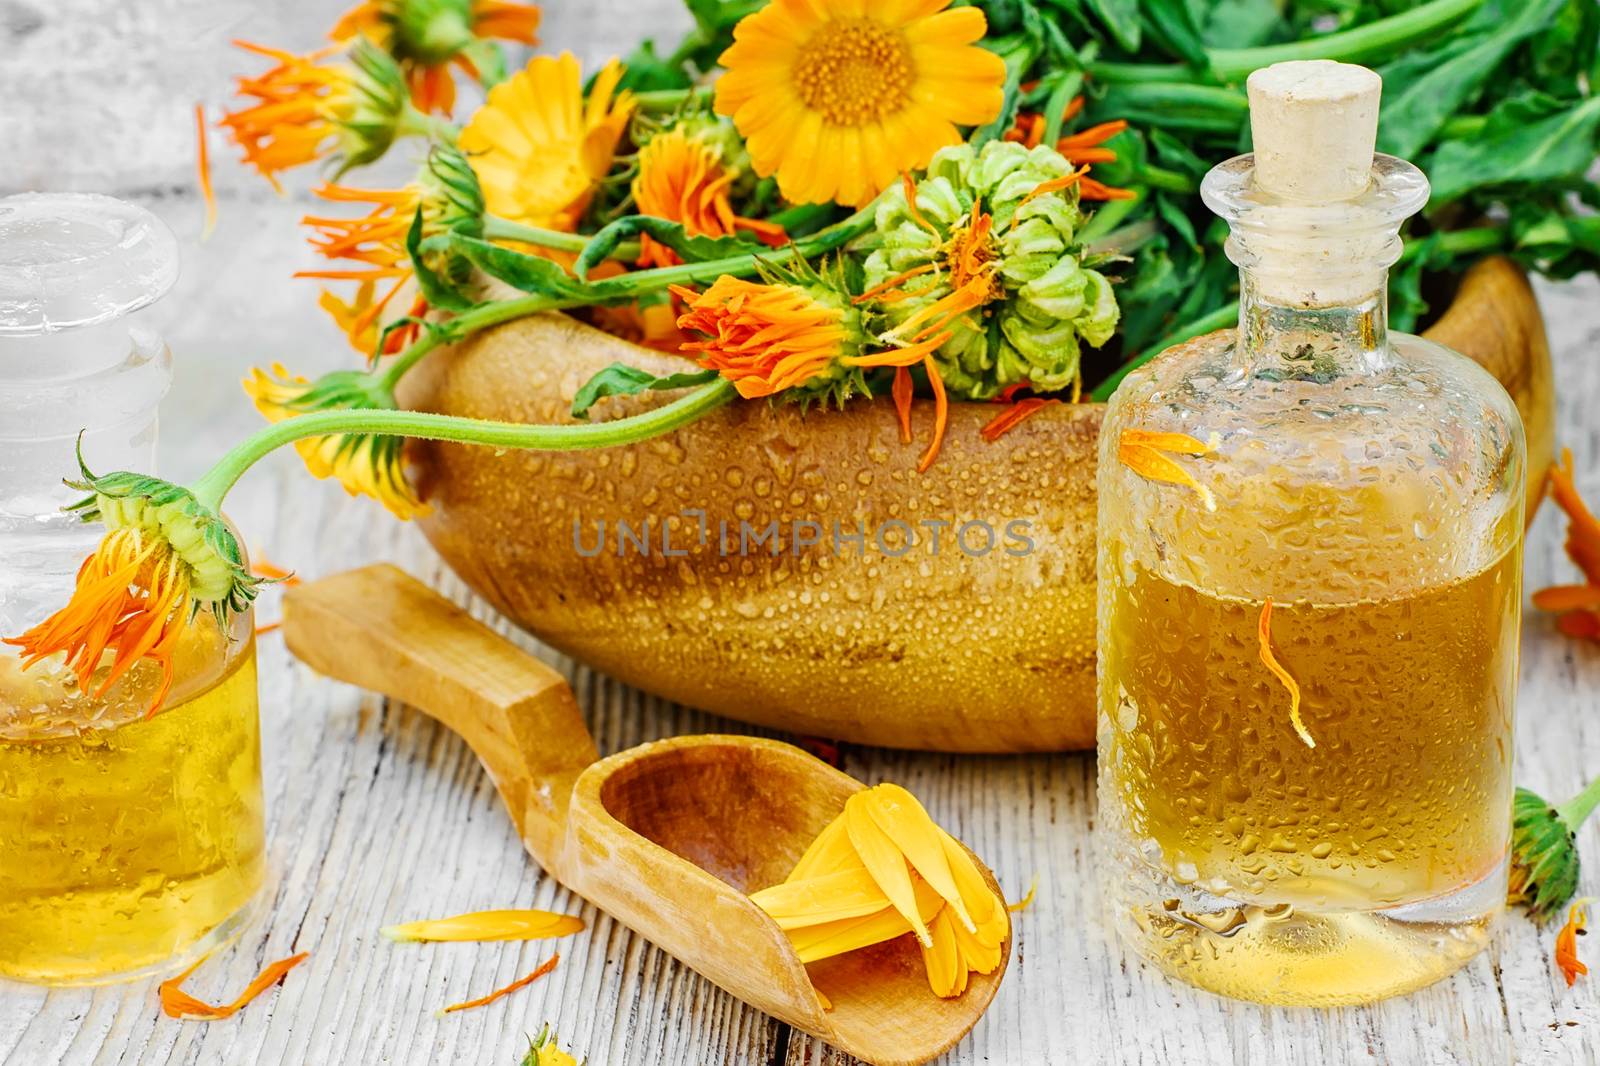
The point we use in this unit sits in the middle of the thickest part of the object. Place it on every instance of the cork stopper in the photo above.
(1314, 124)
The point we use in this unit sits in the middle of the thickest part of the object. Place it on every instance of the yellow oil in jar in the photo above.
(127, 843)
(1370, 865)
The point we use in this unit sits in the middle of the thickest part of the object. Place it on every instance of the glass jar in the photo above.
(128, 844)
(1342, 517)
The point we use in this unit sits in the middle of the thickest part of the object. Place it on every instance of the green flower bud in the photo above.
(980, 220)
(1544, 853)
(170, 514)
(375, 110)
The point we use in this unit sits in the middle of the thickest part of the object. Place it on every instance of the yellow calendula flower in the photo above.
(540, 148)
(428, 37)
(365, 464)
(883, 869)
(837, 97)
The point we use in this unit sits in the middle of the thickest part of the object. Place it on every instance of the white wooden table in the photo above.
(377, 815)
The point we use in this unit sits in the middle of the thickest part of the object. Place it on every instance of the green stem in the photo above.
(214, 485)
(1170, 180)
(1207, 108)
(1459, 241)
(416, 123)
(658, 100)
(1107, 217)
(1576, 810)
(463, 325)
(503, 229)
(1055, 107)
(1126, 239)
(1221, 318)
(1375, 38)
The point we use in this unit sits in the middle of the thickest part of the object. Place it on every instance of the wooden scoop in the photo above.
(667, 837)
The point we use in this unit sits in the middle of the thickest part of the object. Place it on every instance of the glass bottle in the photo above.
(1342, 515)
(127, 845)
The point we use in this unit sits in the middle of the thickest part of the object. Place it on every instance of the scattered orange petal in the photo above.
(1164, 441)
(1567, 960)
(1583, 625)
(1270, 660)
(911, 203)
(263, 567)
(941, 412)
(1026, 901)
(1066, 181)
(523, 982)
(1568, 598)
(1090, 189)
(902, 401)
(1094, 135)
(203, 164)
(482, 926)
(1013, 416)
(176, 1003)
(1144, 452)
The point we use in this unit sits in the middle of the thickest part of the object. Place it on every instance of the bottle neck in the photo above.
(1290, 339)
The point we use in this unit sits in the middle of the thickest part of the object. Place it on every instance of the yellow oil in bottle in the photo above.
(125, 843)
(1300, 874)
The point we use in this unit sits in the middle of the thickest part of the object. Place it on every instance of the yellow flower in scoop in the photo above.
(539, 147)
(880, 870)
(837, 97)
(365, 464)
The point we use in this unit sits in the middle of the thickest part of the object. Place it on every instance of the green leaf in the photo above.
(1169, 22)
(1516, 148)
(690, 248)
(1411, 118)
(439, 291)
(1121, 17)
(527, 273)
(620, 379)
(644, 71)
(1237, 23)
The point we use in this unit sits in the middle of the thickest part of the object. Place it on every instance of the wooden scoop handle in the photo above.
(381, 629)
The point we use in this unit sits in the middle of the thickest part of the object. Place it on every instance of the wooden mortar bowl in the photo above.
(948, 651)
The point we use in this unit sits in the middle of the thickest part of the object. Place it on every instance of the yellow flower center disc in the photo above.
(854, 71)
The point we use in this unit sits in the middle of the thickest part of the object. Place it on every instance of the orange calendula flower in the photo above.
(429, 37)
(1567, 960)
(548, 965)
(540, 148)
(765, 338)
(1269, 659)
(164, 557)
(771, 338)
(682, 178)
(487, 925)
(1145, 452)
(1577, 605)
(447, 195)
(883, 869)
(365, 464)
(176, 1003)
(837, 97)
(306, 108)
